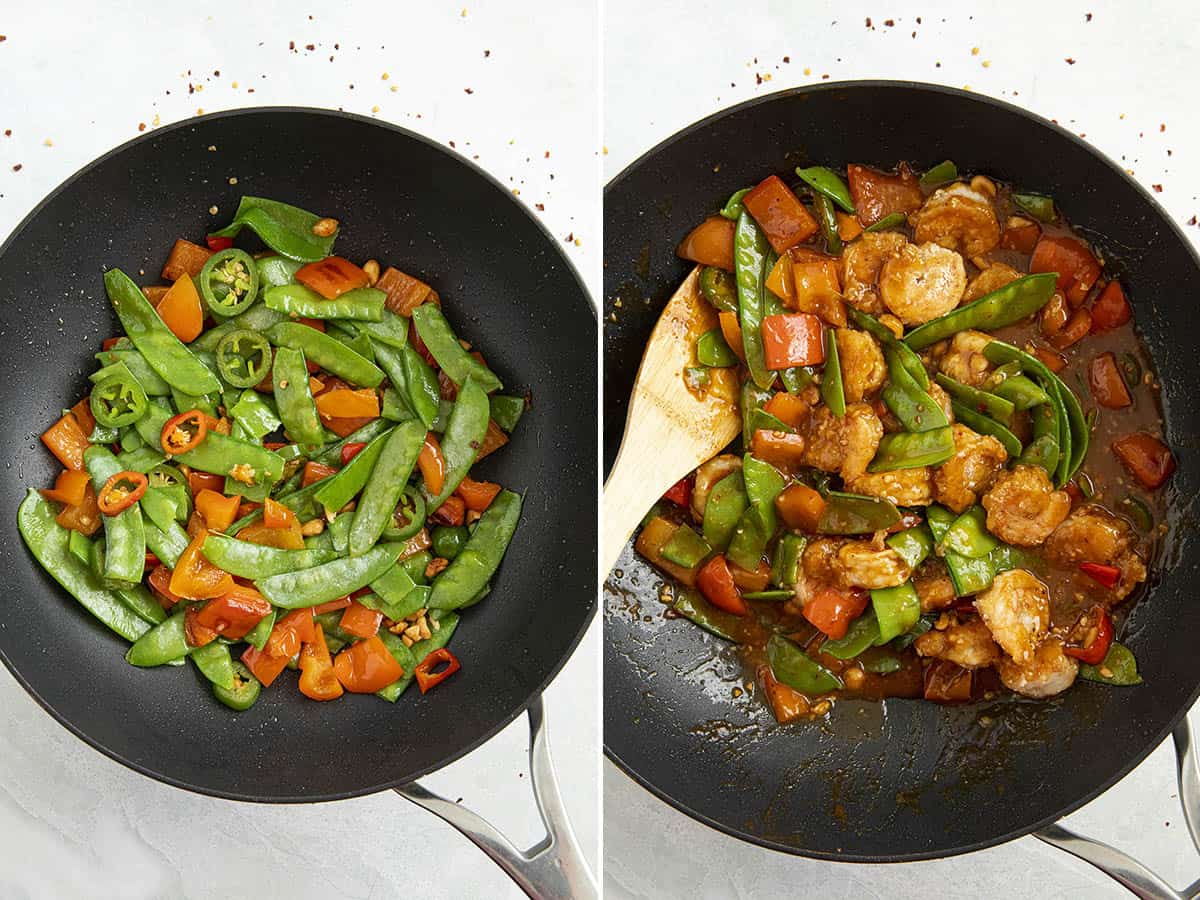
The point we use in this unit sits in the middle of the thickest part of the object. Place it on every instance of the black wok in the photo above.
(914, 780)
(507, 288)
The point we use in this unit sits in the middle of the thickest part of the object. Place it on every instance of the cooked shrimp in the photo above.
(962, 358)
(977, 460)
(904, 487)
(1048, 672)
(861, 262)
(844, 444)
(1023, 507)
(1016, 610)
(707, 477)
(958, 217)
(863, 368)
(933, 585)
(994, 277)
(922, 282)
(866, 564)
(1093, 534)
(968, 644)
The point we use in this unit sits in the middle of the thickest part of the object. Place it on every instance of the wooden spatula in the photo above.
(669, 430)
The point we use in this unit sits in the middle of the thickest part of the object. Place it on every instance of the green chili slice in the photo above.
(719, 288)
(408, 517)
(118, 401)
(944, 171)
(733, 206)
(892, 220)
(244, 358)
(229, 282)
(1039, 206)
(245, 690)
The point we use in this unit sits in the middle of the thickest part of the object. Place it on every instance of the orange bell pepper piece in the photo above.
(181, 311)
(366, 666)
(289, 538)
(83, 517)
(360, 621)
(262, 666)
(779, 213)
(195, 577)
(710, 243)
(715, 581)
(331, 605)
(160, 583)
(276, 515)
(314, 472)
(82, 411)
(362, 403)
(452, 512)
(477, 495)
(202, 481)
(404, 292)
(67, 441)
(787, 408)
(289, 633)
(432, 464)
(781, 449)
(234, 614)
(833, 609)
(219, 511)
(331, 277)
(794, 339)
(196, 633)
(317, 678)
(800, 507)
(69, 488)
(492, 441)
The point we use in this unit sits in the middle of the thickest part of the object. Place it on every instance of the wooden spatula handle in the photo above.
(637, 479)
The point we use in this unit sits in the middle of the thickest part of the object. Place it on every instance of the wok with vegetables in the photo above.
(273, 469)
(949, 481)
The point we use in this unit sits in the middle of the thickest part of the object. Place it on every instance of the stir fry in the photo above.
(272, 469)
(951, 468)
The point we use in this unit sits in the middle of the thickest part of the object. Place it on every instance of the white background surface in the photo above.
(77, 79)
(667, 65)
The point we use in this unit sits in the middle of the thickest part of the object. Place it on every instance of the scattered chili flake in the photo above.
(787, 59)
(468, 90)
(540, 207)
(310, 46)
(8, 132)
(487, 53)
(868, 21)
(1193, 221)
(1157, 188)
(570, 239)
(1070, 61)
(141, 126)
(1087, 17)
(18, 167)
(890, 23)
(291, 45)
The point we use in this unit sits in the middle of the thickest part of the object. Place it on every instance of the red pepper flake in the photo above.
(890, 23)
(468, 90)
(540, 207)
(292, 46)
(570, 238)
(17, 168)
(8, 132)
(1193, 221)
(141, 126)
(1070, 61)
(1157, 188)
(868, 21)
(310, 46)
(487, 53)
(1087, 17)
(787, 59)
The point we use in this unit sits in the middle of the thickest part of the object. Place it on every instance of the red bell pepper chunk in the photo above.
(832, 609)
(1111, 309)
(289, 633)
(366, 666)
(680, 493)
(426, 677)
(331, 605)
(715, 581)
(109, 343)
(1147, 458)
(360, 621)
(1098, 636)
(1071, 259)
(351, 450)
(1108, 387)
(263, 666)
(779, 213)
(236, 613)
(218, 243)
(69, 488)
(1105, 574)
(792, 339)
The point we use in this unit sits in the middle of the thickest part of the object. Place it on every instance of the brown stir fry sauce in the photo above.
(1030, 559)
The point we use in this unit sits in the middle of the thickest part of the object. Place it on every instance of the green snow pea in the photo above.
(795, 668)
(276, 270)
(968, 535)
(1043, 450)
(506, 411)
(245, 690)
(939, 174)
(217, 453)
(990, 405)
(338, 490)
(856, 514)
(390, 473)
(255, 414)
(457, 363)
(464, 436)
(733, 206)
(257, 636)
(684, 548)
(135, 596)
(331, 455)
(137, 366)
(413, 377)
(256, 318)
(286, 229)
(1004, 306)
(49, 543)
(339, 532)
(1021, 392)
(897, 610)
(329, 581)
(796, 378)
(130, 441)
(924, 626)
(1039, 206)
(124, 534)
(692, 605)
(711, 350)
(164, 352)
(447, 623)
(749, 541)
(827, 219)
(80, 546)
(862, 634)
(248, 560)
(416, 565)
(102, 434)
(913, 406)
(395, 589)
(296, 300)
(243, 357)
(228, 282)
(750, 254)
(723, 509)
(828, 183)
(448, 540)
(977, 421)
(785, 564)
(407, 660)
(293, 397)
(391, 329)
(167, 544)
(395, 407)
(912, 544)
(158, 507)
(478, 561)
(1120, 665)
(215, 663)
(752, 398)
(162, 644)
(763, 484)
(329, 353)
(968, 575)
(892, 220)
(719, 288)
(907, 357)
(832, 390)
(143, 459)
(912, 450)
(772, 595)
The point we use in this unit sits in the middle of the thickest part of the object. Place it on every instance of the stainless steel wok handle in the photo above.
(1124, 868)
(553, 868)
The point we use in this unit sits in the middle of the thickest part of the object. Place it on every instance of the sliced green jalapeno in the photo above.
(244, 358)
(719, 288)
(118, 400)
(244, 692)
(408, 517)
(229, 282)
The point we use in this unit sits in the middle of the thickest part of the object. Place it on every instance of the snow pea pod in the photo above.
(248, 560)
(257, 636)
(856, 514)
(981, 401)
(763, 484)
(968, 535)
(463, 579)
(726, 503)
(711, 350)
(1021, 392)
(785, 564)
(749, 541)
(1004, 306)
(286, 229)
(750, 253)
(255, 414)
(49, 543)
(1039, 206)
(463, 437)
(506, 411)
(897, 610)
(733, 206)
(329, 353)
(892, 220)
(331, 580)
(912, 450)
(124, 535)
(144, 606)
(217, 453)
(913, 544)
(827, 219)
(914, 407)
(293, 397)
(862, 634)
(158, 508)
(276, 270)
(413, 378)
(151, 382)
(215, 663)
(389, 474)
(297, 300)
(692, 605)
(1043, 450)
(164, 352)
(977, 421)
(907, 356)
(167, 544)
(752, 398)
(337, 490)
(162, 644)
(939, 174)
(457, 363)
(396, 592)
(256, 318)
(143, 459)
(391, 329)
(833, 391)
(828, 183)
(799, 671)
(685, 548)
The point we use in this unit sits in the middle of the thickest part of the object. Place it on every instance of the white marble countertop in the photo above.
(79, 78)
(1131, 91)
